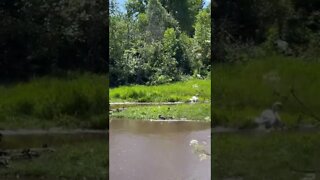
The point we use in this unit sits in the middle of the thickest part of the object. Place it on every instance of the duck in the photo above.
(162, 117)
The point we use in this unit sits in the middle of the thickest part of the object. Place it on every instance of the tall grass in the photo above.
(256, 85)
(73, 100)
(180, 91)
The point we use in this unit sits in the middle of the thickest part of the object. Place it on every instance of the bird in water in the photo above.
(270, 117)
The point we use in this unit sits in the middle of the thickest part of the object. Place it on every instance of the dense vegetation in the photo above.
(50, 37)
(75, 101)
(53, 63)
(247, 28)
(264, 50)
(158, 42)
(243, 91)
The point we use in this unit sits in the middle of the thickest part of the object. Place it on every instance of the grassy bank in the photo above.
(243, 91)
(180, 91)
(87, 160)
(278, 156)
(188, 111)
(78, 100)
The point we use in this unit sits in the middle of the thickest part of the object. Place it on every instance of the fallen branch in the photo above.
(303, 105)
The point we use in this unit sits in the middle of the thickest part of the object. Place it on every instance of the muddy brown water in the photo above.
(144, 150)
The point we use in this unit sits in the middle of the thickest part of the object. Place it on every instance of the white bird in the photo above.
(270, 117)
(194, 99)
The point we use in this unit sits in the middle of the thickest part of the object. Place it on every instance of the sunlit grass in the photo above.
(188, 111)
(180, 91)
(75, 100)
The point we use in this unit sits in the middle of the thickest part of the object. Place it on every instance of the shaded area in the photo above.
(280, 155)
(243, 91)
(76, 156)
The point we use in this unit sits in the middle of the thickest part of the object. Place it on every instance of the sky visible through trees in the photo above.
(123, 2)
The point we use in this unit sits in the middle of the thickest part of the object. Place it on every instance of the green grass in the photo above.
(79, 100)
(180, 91)
(87, 160)
(189, 111)
(265, 156)
(242, 91)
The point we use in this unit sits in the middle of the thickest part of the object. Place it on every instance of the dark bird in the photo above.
(4, 162)
(26, 152)
(45, 145)
(161, 117)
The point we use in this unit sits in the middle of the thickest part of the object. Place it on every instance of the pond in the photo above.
(144, 150)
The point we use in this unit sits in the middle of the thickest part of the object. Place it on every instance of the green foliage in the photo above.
(202, 39)
(136, 6)
(201, 112)
(71, 102)
(264, 23)
(158, 19)
(148, 47)
(243, 91)
(184, 11)
(180, 91)
(45, 37)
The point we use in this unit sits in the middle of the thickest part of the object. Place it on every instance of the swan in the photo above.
(270, 117)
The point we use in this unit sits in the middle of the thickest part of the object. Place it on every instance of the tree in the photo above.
(158, 19)
(184, 11)
(202, 38)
